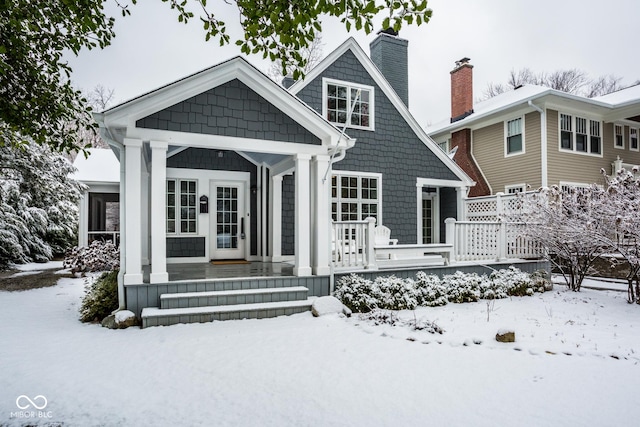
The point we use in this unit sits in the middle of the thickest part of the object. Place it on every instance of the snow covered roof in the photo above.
(623, 96)
(101, 166)
(526, 93)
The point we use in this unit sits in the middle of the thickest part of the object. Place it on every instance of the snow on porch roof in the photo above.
(101, 166)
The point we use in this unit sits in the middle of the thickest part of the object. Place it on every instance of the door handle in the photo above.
(242, 228)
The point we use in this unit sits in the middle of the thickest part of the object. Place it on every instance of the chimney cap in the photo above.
(462, 61)
(389, 31)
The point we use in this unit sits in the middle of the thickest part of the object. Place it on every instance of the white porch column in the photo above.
(276, 218)
(302, 216)
(322, 220)
(158, 212)
(461, 193)
(133, 215)
(83, 223)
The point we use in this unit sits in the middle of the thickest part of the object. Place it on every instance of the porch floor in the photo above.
(202, 271)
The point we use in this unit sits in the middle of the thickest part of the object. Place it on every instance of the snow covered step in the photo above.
(153, 316)
(245, 296)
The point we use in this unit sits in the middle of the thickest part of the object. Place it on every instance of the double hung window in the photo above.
(580, 134)
(515, 139)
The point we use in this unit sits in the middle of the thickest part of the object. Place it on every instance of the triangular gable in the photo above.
(353, 46)
(127, 115)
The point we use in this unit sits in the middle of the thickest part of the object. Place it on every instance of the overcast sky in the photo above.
(152, 49)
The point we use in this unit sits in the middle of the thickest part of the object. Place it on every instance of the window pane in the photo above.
(595, 144)
(514, 144)
(581, 142)
(566, 140)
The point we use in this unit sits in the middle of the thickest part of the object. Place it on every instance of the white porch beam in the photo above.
(276, 218)
(302, 217)
(158, 212)
(322, 223)
(133, 216)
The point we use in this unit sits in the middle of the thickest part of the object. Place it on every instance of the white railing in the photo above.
(489, 241)
(352, 244)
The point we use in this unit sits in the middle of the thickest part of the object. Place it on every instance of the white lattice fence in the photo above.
(493, 208)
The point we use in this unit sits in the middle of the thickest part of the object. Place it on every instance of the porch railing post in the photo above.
(450, 238)
(371, 257)
(502, 240)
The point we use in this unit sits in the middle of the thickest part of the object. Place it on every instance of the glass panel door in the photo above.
(227, 223)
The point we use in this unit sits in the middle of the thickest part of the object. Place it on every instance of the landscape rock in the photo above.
(109, 322)
(125, 319)
(506, 335)
(329, 305)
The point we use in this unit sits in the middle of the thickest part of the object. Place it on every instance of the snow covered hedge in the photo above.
(392, 293)
(98, 256)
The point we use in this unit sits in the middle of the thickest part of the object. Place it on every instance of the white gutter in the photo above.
(543, 144)
(106, 134)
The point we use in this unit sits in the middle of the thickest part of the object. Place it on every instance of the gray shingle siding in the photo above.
(201, 158)
(393, 150)
(231, 109)
(288, 215)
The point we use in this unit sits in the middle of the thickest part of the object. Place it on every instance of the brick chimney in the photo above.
(461, 107)
(461, 90)
(389, 54)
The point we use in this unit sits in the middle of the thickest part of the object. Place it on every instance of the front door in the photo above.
(229, 225)
(429, 218)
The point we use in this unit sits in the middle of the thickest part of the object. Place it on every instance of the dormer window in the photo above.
(348, 104)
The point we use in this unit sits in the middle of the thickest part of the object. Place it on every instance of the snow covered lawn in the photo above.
(300, 370)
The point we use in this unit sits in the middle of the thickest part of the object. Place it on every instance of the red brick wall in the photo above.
(461, 90)
(462, 140)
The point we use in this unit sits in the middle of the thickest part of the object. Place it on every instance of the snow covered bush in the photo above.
(38, 204)
(98, 256)
(388, 317)
(431, 291)
(101, 297)
(512, 281)
(392, 293)
(397, 293)
(359, 294)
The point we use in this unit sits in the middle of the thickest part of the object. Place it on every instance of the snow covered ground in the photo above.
(575, 362)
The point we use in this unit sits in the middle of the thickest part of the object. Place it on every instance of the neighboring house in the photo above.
(226, 164)
(99, 207)
(535, 136)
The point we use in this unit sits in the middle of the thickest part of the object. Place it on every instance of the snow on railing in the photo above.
(489, 240)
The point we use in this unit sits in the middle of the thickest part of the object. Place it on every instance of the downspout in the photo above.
(108, 136)
(543, 144)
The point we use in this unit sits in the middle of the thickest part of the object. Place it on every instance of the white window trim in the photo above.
(506, 151)
(616, 146)
(521, 187)
(637, 139)
(574, 132)
(178, 208)
(359, 200)
(326, 82)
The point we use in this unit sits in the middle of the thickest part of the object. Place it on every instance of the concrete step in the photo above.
(153, 316)
(232, 297)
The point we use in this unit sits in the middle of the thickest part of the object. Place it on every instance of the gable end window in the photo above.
(181, 206)
(618, 136)
(580, 135)
(633, 139)
(348, 104)
(514, 136)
